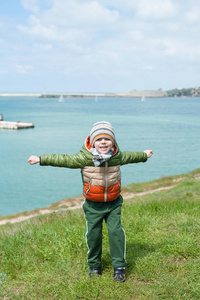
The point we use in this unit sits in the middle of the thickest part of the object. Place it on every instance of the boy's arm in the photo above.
(57, 160)
(77, 161)
(129, 157)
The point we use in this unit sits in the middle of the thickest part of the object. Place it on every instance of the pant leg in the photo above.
(117, 238)
(93, 235)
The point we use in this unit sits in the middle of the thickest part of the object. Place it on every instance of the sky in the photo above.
(110, 46)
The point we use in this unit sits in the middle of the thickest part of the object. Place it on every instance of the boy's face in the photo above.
(103, 145)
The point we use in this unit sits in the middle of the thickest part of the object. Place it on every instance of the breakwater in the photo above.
(15, 125)
(133, 94)
(55, 95)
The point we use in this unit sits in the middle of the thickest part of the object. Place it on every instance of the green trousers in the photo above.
(95, 213)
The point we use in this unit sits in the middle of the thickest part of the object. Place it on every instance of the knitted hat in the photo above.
(102, 129)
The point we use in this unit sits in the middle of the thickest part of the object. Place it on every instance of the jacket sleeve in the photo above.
(76, 161)
(129, 157)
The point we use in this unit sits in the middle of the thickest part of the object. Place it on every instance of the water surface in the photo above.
(171, 127)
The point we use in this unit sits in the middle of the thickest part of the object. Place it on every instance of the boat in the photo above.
(143, 98)
(61, 99)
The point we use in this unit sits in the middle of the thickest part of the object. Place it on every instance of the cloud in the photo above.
(69, 27)
(51, 32)
(43, 47)
(74, 13)
(23, 69)
(193, 15)
(70, 21)
(155, 9)
(98, 31)
(31, 5)
(103, 40)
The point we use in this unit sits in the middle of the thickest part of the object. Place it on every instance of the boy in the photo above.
(100, 160)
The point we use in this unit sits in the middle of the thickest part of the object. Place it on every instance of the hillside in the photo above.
(129, 191)
(44, 257)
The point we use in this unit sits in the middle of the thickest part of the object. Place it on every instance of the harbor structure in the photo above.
(134, 94)
(149, 93)
(14, 125)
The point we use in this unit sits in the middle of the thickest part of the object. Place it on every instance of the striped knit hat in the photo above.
(102, 129)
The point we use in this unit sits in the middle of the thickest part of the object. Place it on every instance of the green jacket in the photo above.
(101, 183)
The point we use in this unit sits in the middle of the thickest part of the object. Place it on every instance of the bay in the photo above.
(169, 126)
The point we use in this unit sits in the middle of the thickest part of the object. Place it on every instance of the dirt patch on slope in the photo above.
(77, 202)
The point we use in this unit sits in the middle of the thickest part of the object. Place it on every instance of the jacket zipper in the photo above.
(87, 191)
(106, 181)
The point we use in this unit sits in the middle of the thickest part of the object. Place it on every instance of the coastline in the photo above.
(128, 192)
(66, 204)
(132, 94)
(20, 94)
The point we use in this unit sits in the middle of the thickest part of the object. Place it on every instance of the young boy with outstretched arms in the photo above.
(99, 160)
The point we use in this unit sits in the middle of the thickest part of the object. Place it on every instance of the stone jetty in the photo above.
(14, 125)
(132, 94)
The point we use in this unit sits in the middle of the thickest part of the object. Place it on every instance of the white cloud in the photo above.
(70, 22)
(144, 8)
(52, 33)
(149, 68)
(193, 15)
(23, 69)
(103, 39)
(155, 9)
(44, 47)
(74, 13)
(31, 5)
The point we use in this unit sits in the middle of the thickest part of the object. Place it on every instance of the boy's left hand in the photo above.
(149, 153)
(33, 159)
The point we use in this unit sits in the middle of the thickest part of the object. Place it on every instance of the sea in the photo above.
(168, 126)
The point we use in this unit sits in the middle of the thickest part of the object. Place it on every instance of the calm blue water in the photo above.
(171, 127)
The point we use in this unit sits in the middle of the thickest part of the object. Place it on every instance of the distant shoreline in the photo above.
(159, 93)
(20, 94)
(81, 95)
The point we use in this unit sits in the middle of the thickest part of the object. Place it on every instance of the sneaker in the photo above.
(94, 271)
(119, 274)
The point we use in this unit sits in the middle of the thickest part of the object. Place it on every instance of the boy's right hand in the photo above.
(33, 160)
(149, 153)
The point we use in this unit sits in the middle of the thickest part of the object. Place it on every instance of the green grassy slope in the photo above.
(45, 257)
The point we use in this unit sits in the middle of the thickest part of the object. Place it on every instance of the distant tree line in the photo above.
(189, 92)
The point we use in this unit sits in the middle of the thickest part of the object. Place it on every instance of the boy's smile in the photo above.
(103, 145)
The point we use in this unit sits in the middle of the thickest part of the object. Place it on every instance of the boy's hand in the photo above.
(149, 153)
(33, 160)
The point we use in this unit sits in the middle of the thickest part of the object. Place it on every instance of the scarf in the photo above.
(98, 157)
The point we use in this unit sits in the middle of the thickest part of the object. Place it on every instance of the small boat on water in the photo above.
(61, 99)
(143, 98)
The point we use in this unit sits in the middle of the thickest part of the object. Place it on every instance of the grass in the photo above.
(165, 181)
(45, 257)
